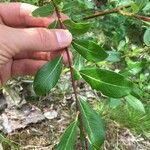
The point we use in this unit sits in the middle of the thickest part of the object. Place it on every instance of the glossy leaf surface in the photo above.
(76, 28)
(89, 50)
(109, 83)
(47, 77)
(93, 124)
(43, 11)
(68, 138)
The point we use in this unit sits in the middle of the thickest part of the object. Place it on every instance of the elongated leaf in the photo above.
(78, 65)
(43, 11)
(147, 37)
(89, 50)
(68, 139)
(93, 125)
(76, 28)
(135, 103)
(47, 77)
(53, 25)
(109, 83)
(141, 3)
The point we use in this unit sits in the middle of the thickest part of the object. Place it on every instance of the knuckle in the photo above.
(44, 38)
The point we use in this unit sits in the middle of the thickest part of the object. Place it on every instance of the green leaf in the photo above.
(114, 103)
(86, 4)
(47, 77)
(76, 28)
(135, 103)
(68, 138)
(57, 1)
(89, 50)
(43, 11)
(82, 141)
(147, 37)
(141, 3)
(79, 62)
(53, 25)
(109, 83)
(135, 8)
(76, 75)
(113, 56)
(147, 7)
(78, 65)
(93, 124)
(136, 92)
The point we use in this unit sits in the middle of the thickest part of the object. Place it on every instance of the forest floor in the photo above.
(37, 123)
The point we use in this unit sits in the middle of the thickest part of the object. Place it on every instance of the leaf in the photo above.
(93, 125)
(141, 3)
(78, 65)
(135, 8)
(68, 138)
(76, 28)
(109, 83)
(147, 37)
(57, 1)
(82, 141)
(114, 103)
(53, 25)
(136, 92)
(76, 75)
(89, 50)
(79, 62)
(135, 103)
(43, 11)
(47, 77)
(113, 56)
(86, 4)
(147, 7)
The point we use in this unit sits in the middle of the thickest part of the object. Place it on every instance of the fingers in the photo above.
(42, 56)
(20, 15)
(19, 68)
(26, 67)
(34, 39)
(43, 39)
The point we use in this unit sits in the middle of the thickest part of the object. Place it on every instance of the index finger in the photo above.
(19, 15)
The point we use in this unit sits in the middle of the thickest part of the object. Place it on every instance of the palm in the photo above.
(24, 49)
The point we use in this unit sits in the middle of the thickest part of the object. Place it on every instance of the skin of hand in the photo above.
(25, 43)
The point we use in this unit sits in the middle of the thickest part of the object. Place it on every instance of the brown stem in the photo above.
(72, 77)
(118, 10)
(106, 12)
(144, 18)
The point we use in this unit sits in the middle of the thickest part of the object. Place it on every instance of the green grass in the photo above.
(126, 116)
(8, 144)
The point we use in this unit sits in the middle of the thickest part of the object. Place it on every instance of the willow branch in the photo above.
(144, 18)
(118, 10)
(62, 26)
(107, 12)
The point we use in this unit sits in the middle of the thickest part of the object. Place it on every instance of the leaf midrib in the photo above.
(88, 123)
(70, 135)
(53, 69)
(102, 82)
(84, 48)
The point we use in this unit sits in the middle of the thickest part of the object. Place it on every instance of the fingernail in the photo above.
(64, 38)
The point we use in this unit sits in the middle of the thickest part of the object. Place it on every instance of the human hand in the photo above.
(25, 43)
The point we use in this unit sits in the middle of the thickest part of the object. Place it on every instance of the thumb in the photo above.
(35, 39)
